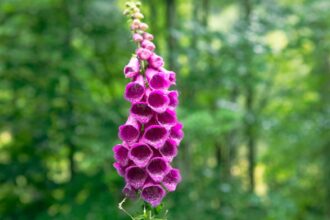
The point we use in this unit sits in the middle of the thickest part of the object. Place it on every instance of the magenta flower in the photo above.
(152, 133)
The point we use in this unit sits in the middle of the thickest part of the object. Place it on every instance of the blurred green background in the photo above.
(254, 78)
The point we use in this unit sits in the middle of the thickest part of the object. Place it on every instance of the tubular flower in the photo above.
(152, 133)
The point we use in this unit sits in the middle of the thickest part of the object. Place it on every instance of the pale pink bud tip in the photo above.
(148, 36)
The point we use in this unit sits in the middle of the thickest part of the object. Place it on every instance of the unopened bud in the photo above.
(136, 22)
(138, 15)
(144, 26)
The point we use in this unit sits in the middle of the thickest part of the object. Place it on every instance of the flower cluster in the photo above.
(151, 135)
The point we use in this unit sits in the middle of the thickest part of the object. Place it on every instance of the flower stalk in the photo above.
(152, 133)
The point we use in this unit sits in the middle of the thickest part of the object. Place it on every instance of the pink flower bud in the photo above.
(143, 53)
(148, 45)
(137, 38)
(148, 36)
(144, 26)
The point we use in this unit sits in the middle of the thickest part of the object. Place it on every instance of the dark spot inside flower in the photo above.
(141, 109)
(157, 165)
(156, 99)
(128, 133)
(155, 133)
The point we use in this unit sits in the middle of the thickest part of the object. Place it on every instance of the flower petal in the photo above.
(159, 81)
(155, 135)
(135, 176)
(158, 101)
(172, 179)
(130, 131)
(141, 112)
(158, 168)
(140, 154)
(121, 154)
(132, 68)
(169, 150)
(176, 133)
(153, 194)
(167, 118)
(129, 192)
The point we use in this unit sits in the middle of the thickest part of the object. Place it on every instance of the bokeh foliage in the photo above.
(254, 78)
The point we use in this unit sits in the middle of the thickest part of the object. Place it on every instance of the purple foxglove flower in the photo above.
(135, 176)
(130, 192)
(173, 96)
(134, 91)
(137, 37)
(169, 150)
(159, 81)
(155, 135)
(156, 61)
(120, 169)
(172, 179)
(140, 154)
(141, 112)
(176, 133)
(171, 75)
(121, 154)
(148, 45)
(152, 133)
(130, 131)
(148, 36)
(158, 101)
(153, 194)
(157, 169)
(167, 118)
(132, 68)
(150, 72)
(143, 54)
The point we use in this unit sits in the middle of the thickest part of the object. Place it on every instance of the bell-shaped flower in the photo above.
(157, 168)
(167, 118)
(173, 96)
(135, 176)
(169, 150)
(141, 112)
(121, 154)
(172, 179)
(132, 68)
(130, 192)
(120, 169)
(176, 133)
(135, 90)
(130, 131)
(159, 80)
(155, 135)
(158, 101)
(153, 194)
(156, 61)
(171, 75)
(140, 154)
